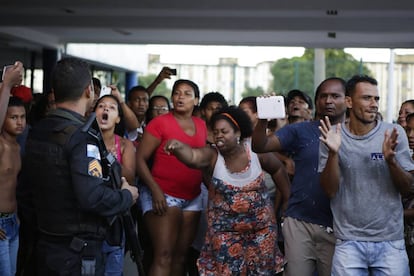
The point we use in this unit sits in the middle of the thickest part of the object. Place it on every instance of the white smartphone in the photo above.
(105, 90)
(4, 71)
(272, 107)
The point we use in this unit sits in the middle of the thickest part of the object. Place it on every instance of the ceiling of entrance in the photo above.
(314, 23)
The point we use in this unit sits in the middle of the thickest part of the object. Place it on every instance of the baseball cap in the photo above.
(22, 92)
(298, 93)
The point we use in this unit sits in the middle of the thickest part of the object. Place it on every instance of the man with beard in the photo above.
(307, 227)
(365, 167)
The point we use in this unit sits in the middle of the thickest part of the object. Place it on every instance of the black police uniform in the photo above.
(72, 201)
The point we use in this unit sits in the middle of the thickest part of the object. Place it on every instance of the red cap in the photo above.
(22, 92)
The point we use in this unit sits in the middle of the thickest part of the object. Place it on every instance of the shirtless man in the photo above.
(12, 123)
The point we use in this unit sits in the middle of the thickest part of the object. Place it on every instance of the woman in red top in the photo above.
(170, 199)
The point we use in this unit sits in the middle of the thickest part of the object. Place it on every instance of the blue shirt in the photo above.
(307, 201)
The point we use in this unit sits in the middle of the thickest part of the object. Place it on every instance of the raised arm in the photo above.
(262, 142)
(272, 165)
(164, 74)
(331, 173)
(131, 121)
(12, 77)
(402, 179)
(193, 157)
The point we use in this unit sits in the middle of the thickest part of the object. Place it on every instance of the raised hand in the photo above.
(165, 73)
(13, 74)
(329, 136)
(116, 93)
(389, 144)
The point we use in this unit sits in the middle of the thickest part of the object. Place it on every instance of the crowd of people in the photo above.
(213, 189)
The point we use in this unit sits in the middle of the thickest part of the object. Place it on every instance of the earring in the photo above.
(238, 140)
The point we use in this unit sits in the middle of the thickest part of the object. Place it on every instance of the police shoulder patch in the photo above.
(95, 168)
(93, 151)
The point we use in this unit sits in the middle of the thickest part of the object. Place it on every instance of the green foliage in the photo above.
(161, 88)
(297, 72)
(250, 91)
(343, 65)
(146, 80)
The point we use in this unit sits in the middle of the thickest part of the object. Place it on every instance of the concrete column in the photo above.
(390, 116)
(318, 69)
(131, 80)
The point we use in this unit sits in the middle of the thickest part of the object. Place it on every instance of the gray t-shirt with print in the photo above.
(367, 206)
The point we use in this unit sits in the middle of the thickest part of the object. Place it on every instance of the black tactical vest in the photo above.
(59, 214)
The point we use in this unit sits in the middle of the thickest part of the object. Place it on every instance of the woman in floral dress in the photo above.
(241, 237)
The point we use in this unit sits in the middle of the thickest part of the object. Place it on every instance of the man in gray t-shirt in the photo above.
(365, 165)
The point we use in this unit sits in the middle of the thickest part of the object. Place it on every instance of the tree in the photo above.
(161, 88)
(297, 72)
(250, 91)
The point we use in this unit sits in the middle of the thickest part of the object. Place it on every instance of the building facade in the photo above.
(231, 80)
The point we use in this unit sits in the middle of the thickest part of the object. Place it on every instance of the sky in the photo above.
(135, 57)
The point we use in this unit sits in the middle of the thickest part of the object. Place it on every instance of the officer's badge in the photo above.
(95, 168)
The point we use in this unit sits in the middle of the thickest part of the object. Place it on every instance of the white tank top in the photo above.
(243, 178)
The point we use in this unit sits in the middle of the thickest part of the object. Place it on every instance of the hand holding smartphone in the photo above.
(105, 90)
(5, 68)
(272, 107)
(173, 72)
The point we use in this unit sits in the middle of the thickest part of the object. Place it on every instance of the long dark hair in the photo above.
(120, 127)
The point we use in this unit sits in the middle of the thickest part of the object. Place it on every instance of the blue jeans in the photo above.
(9, 246)
(114, 258)
(357, 258)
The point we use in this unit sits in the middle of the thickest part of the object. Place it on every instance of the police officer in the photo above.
(72, 201)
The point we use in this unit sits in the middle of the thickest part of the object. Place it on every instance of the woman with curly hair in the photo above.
(242, 234)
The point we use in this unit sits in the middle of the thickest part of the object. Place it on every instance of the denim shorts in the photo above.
(357, 258)
(145, 200)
